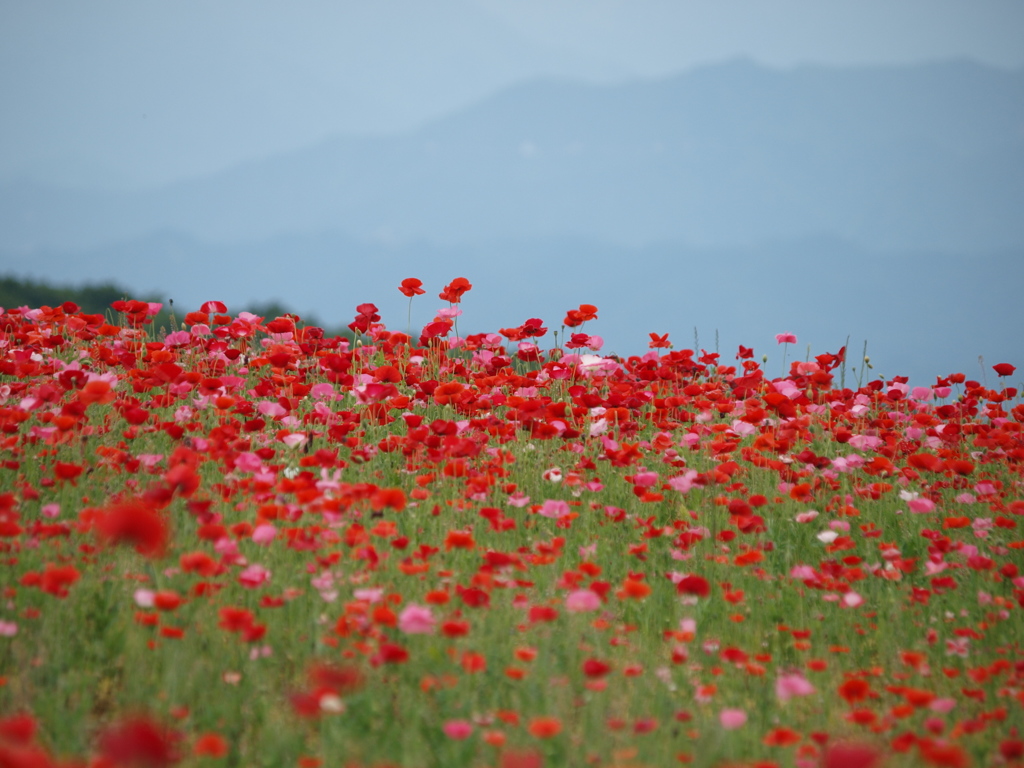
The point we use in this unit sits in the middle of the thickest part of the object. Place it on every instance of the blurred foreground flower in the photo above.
(136, 522)
(138, 742)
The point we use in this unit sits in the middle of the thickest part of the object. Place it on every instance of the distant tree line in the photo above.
(93, 299)
(96, 300)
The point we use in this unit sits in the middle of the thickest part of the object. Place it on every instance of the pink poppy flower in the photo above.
(271, 409)
(921, 506)
(582, 600)
(554, 508)
(732, 719)
(802, 572)
(178, 339)
(793, 684)
(458, 729)
(684, 482)
(416, 620)
(942, 705)
(248, 462)
(852, 600)
(369, 594)
(254, 576)
(264, 534)
(645, 479)
(785, 338)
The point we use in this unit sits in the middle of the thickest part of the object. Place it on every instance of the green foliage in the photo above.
(93, 299)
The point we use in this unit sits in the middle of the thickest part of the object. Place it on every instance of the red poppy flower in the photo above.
(139, 742)
(67, 471)
(577, 317)
(341, 680)
(474, 662)
(854, 690)
(167, 600)
(137, 522)
(633, 589)
(545, 727)
(454, 628)
(474, 597)
(448, 392)
(388, 498)
(96, 391)
(391, 654)
(18, 729)
(534, 328)
(1004, 369)
(210, 745)
(659, 342)
(366, 315)
(1012, 749)
(435, 329)
(512, 334)
(459, 540)
(784, 737)
(851, 755)
(454, 291)
(235, 619)
(943, 755)
(56, 579)
(514, 759)
(411, 287)
(540, 613)
(578, 341)
(694, 585)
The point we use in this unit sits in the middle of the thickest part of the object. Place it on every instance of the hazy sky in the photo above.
(137, 92)
(129, 94)
(660, 36)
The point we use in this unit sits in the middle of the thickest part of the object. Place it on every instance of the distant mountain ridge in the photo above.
(926, 156)
(170, 91)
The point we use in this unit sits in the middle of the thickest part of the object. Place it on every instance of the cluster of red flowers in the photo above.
(668, 540)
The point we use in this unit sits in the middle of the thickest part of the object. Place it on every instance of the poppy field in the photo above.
(240, 541)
